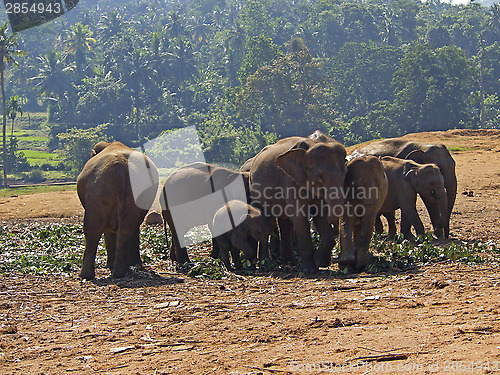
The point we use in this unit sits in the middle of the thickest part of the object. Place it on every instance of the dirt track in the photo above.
(436, 319)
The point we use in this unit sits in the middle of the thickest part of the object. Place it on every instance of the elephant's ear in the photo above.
(418, 156)
(410, 174)
(292, 162)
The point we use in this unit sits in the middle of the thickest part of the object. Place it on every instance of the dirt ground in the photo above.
(442, 318)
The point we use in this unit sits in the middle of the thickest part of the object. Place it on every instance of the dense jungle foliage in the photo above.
(247, 72)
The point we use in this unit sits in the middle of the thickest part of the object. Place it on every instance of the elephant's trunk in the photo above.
(441, 220)
(335, 209)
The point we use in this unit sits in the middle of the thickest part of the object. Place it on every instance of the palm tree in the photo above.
(78, 43)
(109, 25)
(14, 106)
(235, 46)
(493, 22)
(54, 79)
(137, 74)
(200, 29)
(158, 57)
(8, 51)
(183, 63)
(175, 25)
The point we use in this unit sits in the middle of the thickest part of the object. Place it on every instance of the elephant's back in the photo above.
(389, 147)
(197, 181)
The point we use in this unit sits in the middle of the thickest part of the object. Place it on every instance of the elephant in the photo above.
(252, 230)
(294, 179)
(407, 179)
(116, 187)
(423, 154)
(366, 188)
(192, 195)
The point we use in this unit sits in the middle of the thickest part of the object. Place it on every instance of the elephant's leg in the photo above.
(110, 239)
(263, 248)
(177, 253)
(120, 268)
(92, 229)
(379, 226)
(347, 256)
(274, 244)
(235, 256)
(215, 249)
(303, 230)
(225, 247)
(286, 240)
(165, 230)
(406, 228)
(134, 250)
(127, 243)
(391, 221)
(323, 256)
(363, 232)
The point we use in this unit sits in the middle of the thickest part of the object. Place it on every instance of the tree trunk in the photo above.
(4, 133)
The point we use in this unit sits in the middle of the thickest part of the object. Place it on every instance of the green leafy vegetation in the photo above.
(40, 249)
(207, 268)
(43, 249)
(402, 254)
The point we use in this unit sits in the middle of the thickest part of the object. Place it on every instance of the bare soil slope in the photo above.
(442, 318)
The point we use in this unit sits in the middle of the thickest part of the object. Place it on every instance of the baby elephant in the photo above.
(406, 180)
(365, 187)
(253, 229)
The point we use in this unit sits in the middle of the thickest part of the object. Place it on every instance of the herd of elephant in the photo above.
(292, 185)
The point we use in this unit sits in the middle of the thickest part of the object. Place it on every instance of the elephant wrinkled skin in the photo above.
(289, 179)
(423, 154)
(105, 191)
(366, 188)
(406, 180)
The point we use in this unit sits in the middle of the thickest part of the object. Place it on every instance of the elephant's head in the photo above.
(259, 225)
(319, 166)
(428, 182)
(98, 147)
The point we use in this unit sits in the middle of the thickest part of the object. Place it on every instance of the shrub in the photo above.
(36, 175)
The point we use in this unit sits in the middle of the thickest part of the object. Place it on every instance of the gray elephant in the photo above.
(406, 180)
(366, 188)
(192, 195)
(116, 187)
(423, 154)
(250, 235)
(293, 180)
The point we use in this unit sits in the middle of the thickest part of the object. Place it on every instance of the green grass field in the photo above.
(13, 192)
(32, 133)
(36, 157)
